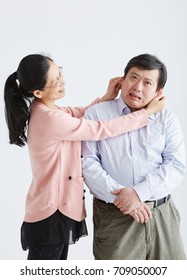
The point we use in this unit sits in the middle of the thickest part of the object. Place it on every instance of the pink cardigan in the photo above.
(54, 142)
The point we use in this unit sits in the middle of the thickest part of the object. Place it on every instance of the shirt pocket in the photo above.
(154, 135)
(74, 188)
(74, 195)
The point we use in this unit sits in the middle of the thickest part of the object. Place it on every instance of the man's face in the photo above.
(139, 87)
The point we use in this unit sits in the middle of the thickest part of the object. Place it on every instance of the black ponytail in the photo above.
(16, 111)
(18, 95)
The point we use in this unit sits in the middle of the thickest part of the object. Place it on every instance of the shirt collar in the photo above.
(124, 109)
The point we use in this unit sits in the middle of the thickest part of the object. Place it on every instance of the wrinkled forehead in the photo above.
(144, 73)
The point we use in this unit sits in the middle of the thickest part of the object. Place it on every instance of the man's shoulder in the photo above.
(165, 118)
(103, 105)
(167, 113)
(102, 110)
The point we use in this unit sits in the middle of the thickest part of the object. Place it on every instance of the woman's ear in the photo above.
(37, 93)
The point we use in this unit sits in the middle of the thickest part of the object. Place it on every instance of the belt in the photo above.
(108, 203)
(156, 203)
(159, 201)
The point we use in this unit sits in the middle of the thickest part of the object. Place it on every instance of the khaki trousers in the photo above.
(120, 237)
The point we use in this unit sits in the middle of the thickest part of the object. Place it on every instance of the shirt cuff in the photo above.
(143, 190)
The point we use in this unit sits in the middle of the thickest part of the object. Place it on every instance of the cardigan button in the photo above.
(83, 197)
(84, 191)
(81, 156)
(69, 177)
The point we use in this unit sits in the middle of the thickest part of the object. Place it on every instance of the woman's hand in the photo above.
(112, 90)
(156, 104)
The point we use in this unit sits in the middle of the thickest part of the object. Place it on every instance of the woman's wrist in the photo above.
(103, 98)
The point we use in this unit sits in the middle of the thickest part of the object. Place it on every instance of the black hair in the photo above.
(18, 94)
(148, 62)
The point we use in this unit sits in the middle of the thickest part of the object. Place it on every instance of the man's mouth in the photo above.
(133, 95)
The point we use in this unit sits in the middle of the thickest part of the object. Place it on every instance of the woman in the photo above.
(55, 209)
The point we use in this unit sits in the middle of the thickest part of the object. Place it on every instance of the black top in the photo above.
(52, 230)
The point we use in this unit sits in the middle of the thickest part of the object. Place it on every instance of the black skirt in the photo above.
(52, 230)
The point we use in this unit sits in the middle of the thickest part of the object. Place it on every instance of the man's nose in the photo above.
(138, 86)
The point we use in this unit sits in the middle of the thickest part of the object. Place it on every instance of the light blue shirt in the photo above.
(151, 159)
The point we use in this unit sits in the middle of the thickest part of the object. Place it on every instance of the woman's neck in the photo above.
(48, 104)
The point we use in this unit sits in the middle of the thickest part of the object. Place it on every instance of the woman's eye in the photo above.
(57, 82)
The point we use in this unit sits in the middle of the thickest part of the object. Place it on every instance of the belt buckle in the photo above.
(155, 203)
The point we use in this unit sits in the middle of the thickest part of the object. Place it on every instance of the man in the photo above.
(132, 176)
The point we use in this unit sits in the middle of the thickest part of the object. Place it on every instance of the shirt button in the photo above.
(69, 177)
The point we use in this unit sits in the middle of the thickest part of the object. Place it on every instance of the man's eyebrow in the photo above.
(134, 73)
(146, 78)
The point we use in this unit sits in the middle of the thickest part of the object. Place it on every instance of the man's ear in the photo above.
(37, 93)
(159, 91)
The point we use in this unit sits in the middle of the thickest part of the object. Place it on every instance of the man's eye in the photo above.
(133, 77)
(148, 83)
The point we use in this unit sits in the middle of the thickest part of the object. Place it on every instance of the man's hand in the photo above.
(142, 213)
(127, 199)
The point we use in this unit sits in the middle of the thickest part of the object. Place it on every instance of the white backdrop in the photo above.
(93, 40)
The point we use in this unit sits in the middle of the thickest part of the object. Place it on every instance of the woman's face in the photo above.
(54, 88)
